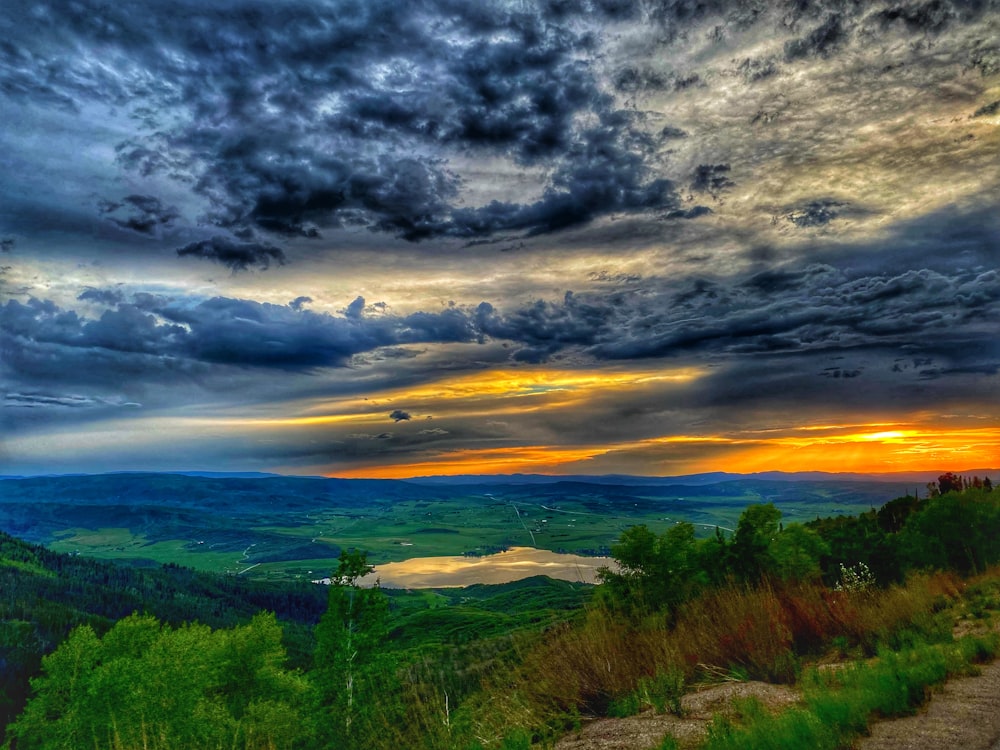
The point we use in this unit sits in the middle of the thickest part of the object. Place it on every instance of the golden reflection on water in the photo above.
(512, 565)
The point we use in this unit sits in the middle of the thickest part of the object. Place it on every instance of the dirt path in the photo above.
(965, 714)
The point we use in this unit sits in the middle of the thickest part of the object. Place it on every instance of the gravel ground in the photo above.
(965, 715)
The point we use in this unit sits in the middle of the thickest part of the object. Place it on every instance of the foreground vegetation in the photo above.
(839, 705)
(385, 672)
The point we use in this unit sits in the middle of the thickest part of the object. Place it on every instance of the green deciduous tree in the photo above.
(654, 571)
(957, 531)
(892, 516)
(354, 678)
(949, 482)
(795, 553)
(148, 685)
(755, 531)
(715, 558)
(59, 715)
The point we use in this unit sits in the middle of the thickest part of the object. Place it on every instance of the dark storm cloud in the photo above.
(816, 213)
(829, 26)
(7, 244)
(942, 306)
(239, 256)
(987, 110)
(712, 179)
(604, 176)
(144, 214)
(15, 400)
(820, 41)
(544, 328)
(398, 415)
(151, 334)
(669, 132)
(816, 308)
(637, 80)
(243, 332)
(109, 297)
(985, 57)
(295, 117)
(753, 69)
(614, 278)
(506, 99)
(20, 77)
(933, 15)
(347, 449)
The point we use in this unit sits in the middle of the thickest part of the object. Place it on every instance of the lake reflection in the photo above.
(513, 565)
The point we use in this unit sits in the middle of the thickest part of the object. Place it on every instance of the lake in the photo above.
(512, 565)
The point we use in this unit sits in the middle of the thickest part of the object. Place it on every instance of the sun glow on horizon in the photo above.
(888, 435)
(880, 451)
(547, 421)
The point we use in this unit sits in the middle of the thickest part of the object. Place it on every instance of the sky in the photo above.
(364, 238)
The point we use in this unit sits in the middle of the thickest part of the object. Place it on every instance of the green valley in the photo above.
(294, 528)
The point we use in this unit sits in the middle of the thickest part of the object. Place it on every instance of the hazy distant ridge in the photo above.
(713, 477)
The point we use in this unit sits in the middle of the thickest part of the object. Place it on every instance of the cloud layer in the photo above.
(299, 118)
(262, 211)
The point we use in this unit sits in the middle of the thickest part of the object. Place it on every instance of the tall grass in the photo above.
(610, 664)
(605, 664)
(741, 628)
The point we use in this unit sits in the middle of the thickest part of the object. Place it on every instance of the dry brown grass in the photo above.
(747, 632)
(740, 627)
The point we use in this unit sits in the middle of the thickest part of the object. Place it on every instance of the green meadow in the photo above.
(295, 527)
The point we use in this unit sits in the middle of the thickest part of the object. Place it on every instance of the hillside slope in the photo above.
(46, 594)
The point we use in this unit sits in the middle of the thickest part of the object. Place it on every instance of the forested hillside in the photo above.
(45, 594)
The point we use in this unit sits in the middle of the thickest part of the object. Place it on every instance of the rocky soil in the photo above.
(648, 729)
(964, 715)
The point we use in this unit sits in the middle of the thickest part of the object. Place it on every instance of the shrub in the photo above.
(857, 579)
(518, 739)
(663, 690)
(627, 705)
(756, 729)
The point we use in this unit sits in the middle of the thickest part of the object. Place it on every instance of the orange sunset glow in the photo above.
(874, 452)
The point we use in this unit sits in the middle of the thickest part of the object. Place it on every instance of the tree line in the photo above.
(956, 527)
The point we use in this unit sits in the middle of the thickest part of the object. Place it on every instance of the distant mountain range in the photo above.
(713, 477)
(207, 474)
(623, 480)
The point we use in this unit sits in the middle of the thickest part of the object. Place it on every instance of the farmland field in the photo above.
(295, 527)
